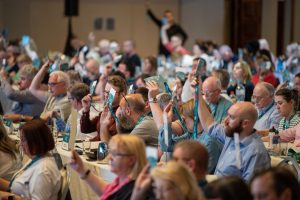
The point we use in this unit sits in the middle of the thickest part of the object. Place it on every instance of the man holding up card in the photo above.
(252, 154)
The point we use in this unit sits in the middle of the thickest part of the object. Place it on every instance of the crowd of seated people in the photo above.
(208, 117)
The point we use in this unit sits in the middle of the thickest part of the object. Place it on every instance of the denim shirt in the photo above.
(252, 150)
(213, 146)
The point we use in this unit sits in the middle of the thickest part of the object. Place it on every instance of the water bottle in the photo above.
(240, 91)
(275, 141)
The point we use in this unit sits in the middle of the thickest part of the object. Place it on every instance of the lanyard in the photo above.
(34, 160)
(264, 112)
(196, 117)
(139, 120)
(113, 114)
(286, 123)
(175, 109)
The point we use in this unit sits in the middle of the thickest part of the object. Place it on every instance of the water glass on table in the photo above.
(86, 145)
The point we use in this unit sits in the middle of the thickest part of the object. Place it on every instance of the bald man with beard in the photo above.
(240, 119)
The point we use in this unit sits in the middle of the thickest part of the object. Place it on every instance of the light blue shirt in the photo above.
(267, 118)
(252, 150)
(213, 146)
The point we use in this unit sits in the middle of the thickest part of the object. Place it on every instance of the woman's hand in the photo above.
(77, 164)
(86, 102)
(142, 184)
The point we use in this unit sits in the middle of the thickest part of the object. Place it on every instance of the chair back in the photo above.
(65, 182)
(292, 164)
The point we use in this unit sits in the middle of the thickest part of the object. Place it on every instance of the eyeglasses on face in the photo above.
(116, 154)
(207, 92)
(53, 84)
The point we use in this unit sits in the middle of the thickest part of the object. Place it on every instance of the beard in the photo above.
(126, 124)
(229, 131)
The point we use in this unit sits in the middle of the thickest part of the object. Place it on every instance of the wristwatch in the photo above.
(152, 100)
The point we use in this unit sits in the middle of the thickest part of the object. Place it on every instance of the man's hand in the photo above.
(13, 117)
(153, 89)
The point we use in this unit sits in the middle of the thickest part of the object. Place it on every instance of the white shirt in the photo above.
(43, 179)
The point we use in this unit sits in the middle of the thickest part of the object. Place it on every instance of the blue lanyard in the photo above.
(264, 112)
(34, 160)
(175, 109)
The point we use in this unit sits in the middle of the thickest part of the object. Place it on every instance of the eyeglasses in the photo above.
(70, 98)
(207, 92)
(115, 154)
(54, 84)
(256, 98)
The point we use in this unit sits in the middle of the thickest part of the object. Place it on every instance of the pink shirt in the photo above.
(114, 187)
(291, 134)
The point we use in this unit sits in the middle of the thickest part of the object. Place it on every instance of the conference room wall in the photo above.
(1, 13)
(297, 22)
(45, 22)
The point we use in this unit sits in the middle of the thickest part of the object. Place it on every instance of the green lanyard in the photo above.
(34, 160)
(139, 120)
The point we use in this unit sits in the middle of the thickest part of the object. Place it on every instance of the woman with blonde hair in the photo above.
(126, 158)
(242, 74)
(10, 160)
(175, 181)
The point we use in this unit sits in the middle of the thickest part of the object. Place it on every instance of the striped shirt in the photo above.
(285, 123)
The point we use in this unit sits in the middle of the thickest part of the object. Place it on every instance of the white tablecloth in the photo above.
(79, 188)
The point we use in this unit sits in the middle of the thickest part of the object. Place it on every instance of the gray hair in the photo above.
(62, 77)
(268, 87)
(28, 71)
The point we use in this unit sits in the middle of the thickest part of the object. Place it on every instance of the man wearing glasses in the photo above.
(132, 112)
(56, 97)
(263, 99)
(218, 104)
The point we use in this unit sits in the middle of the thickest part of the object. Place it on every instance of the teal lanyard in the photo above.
(264, 112)
(113, 114)
(175, 109)
(286, 123)
(34, 160)
(139, 120)
(196, 117)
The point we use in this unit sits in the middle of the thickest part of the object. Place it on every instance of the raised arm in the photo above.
(151, 14)
(94, 181)
(164, 37)
(36, 83)
(154, 105)
(204, 115)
